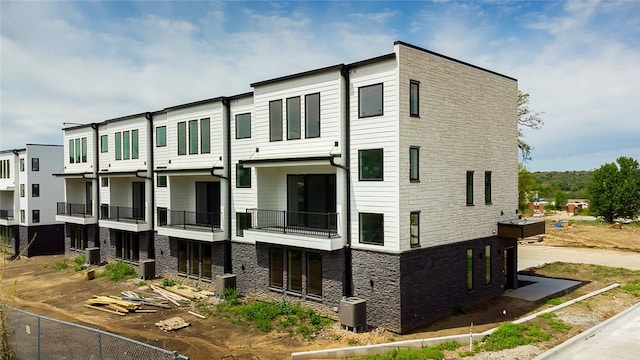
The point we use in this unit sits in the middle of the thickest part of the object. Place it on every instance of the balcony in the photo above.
(123, 218)
(195, 225)
(6, 217)
(520, 228)
(75, 213)
(303, 229)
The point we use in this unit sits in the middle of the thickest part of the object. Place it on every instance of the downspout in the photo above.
(151, 251)
(96, 208)
(347, 289)
(228, 268)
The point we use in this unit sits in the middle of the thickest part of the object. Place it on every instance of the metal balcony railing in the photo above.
(122, 213)
(79, 210)
(294, 222)
(189, 220)
(6, 214)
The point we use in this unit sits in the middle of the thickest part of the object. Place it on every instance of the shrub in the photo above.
(61, 265)
(118, 270)
(168, 282)
(79, 262)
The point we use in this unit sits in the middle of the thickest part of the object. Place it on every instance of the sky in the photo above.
(83, 62)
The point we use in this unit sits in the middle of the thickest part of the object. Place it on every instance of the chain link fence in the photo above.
(33, 336)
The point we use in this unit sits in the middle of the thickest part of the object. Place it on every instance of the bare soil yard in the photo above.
(34, 285)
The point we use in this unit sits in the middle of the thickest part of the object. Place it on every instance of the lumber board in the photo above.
(198, 315)
(103, 309)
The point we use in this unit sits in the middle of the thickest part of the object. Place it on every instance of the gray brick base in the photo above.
(166, 249)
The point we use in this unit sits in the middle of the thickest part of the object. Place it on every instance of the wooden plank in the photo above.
(198, 315)
(145, 311)
(103, 309)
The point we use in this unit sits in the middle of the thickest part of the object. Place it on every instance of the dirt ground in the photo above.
(38, 288)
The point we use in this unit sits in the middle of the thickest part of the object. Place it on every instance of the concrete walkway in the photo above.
(541, 288)
(534, 255)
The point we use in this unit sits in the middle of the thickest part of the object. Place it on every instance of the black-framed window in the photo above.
(21, 164)
(35, 190)
(414, 163)
(294, 271)
(78, 239)
(22, 216)
(275, 120)
(371, 164)
(35, 216)
(104, 181)
(134, 144)
(243, 126)
(118, 145)
(35, 164)
(126, 145)
(414, 228)
(205, 136)
(312, 115)
(161, 136)
(78, 154)
(469, 187)
(276, 267)
(243, 222)
(370, 100)
(487, 264)
(195, 259)
(72, 152)
(84, 149)
(22, 190)
(314, 274)
(371, 228)
(162, 180)
(487, 187)
(104, 143)
(182, 138)
(193, 136)
(469, 269)
(414, 98)
(243, 176)
(293, 118)
(162, 216)
(127, 246)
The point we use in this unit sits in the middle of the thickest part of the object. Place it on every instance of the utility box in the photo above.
(225, 281)
(353, 313)
(147, 269)
(92, 255)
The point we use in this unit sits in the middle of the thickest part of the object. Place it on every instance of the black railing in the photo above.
(189, 220)
(122, 213)
(6, 214)
(70, 209)
(294, 222)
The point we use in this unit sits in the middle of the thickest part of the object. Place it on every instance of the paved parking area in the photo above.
(534, 255)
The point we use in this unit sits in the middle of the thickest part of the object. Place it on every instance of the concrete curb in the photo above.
(558, 350)
(463, 339)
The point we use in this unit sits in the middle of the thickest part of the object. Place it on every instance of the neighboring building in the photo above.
(28, 196)
(392, 179)
(538, 207)
(575, 205)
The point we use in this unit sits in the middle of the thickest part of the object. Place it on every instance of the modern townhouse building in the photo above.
(28, 197)
(392, 180)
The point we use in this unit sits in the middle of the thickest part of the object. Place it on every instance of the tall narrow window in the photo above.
(22, 164)
(370, 164)
(487, 264)
(35, 216)
(414, 163)
(35, 164)
(371, 228)
(161, 136)
(243, 222)
(469, 269)
(193, 136)
(182, 256)
(414, 228)
(243, 126)
(35, 190)
(294, 271)
(78, 155)
(243, 176)
(126, 145)
(84, 150)
(118, 146)
(21, 190)
(104, 143)
(314, 274)
(414, 98)
(72, 152)
(275, 268)
(293, 118)
(370, 100)
(182, 138)
(205, 136)
(487, 187)
(22, 216)
(469, 187)
(275, 120)
(312, 115)
(134, 144)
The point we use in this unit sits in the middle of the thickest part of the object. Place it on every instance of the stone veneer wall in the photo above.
(408, 290)
(166, 249)
(93, 239)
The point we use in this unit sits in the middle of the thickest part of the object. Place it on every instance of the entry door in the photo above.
(509, 268)
(137, 197)
(88, 197)
(208, 203)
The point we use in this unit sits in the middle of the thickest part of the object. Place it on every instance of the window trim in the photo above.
(469, 188)
(360, 218)
(307, 111)
(414, 150)
(414, 84)
(237, 122)
(360, 177)
(381, 113)
(292, 113)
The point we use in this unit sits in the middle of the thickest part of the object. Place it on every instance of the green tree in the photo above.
(614, 190)
(528, 118)
(561, 200)
(526, 187)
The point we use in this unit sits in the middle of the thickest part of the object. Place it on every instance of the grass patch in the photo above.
(166, 282)
(79, 263)
(632, 286)
(118, 270)
(61, 265)
(204, 307)
(510, 335)
(429, 352)
(553, 301)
